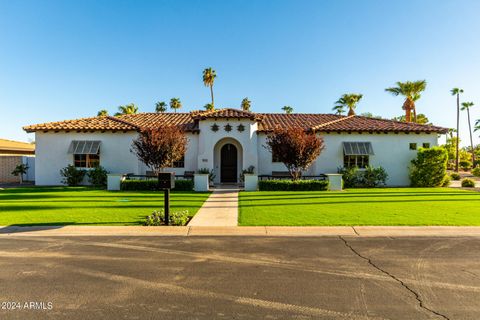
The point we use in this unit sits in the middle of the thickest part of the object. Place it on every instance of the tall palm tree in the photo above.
(175, 104)
(287, 109)
(339, 110)
(209, 107)
(411, 90)
(127, 109)
(349, 100)
(102, 113)
(467, 106)
(161, 106)
(456, 92)
(209, 76)
(246, 104)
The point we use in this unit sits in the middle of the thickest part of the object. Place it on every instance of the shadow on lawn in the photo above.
(242, 205)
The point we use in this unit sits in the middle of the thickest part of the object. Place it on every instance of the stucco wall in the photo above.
(52, 153)
(391, 152)
(209, 144)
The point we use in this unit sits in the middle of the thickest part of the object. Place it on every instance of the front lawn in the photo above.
(355, 207)
(81, 205)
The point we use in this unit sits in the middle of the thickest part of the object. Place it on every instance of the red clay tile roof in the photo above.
(266, 122)
(226, 113)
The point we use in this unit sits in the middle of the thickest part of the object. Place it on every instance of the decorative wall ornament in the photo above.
(215, 127)
(228, 127)
(241, 128)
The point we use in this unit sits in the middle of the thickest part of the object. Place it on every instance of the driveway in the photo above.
(240, 277)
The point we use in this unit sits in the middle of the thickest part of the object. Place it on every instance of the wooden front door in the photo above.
(228, 163)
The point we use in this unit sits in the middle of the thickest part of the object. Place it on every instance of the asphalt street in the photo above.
(239, 278)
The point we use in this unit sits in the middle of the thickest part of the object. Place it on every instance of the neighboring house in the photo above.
(229, 140)
(13, 153)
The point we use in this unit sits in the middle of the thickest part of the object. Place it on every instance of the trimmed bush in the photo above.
(152, 185)
(72, 176)
(476, 172)
(447, 181)
(98, 177)
(429, 169)
(157, 218)
(289, 185)
(368, 178)
(468, 183)
(455, 176)
(465, 165)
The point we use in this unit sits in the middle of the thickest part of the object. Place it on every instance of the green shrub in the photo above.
(289, 185)
(157, 218)
(152, 185)
(368, 178)
(468, 183)
(97, 176)
(465, 165)
(429, 169)
(455, 176)
(476, 172)
(447, 181)
(72, 176)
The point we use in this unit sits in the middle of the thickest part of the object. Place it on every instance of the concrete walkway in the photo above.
(220, 209)
(365, 231)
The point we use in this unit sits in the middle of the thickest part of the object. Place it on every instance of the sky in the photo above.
(68, 59)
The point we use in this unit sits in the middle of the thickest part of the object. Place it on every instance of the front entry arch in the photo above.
(228, 163)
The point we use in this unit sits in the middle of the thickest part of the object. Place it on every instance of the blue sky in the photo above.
(69, 59)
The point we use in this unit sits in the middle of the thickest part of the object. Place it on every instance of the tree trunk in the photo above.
(458, 132)
(211, 93)
(407, 105)
(471, 139)
(351, 112)
(414, 113)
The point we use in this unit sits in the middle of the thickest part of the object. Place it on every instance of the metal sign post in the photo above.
(166, 181)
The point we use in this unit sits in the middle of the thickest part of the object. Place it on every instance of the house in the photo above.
(13, 153)
(229, 140)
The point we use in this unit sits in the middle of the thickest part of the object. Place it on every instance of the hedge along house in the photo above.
(229, 140)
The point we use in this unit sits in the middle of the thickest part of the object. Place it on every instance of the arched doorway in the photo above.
(228, 163)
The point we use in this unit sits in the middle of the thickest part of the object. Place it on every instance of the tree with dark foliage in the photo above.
(296, 148)
(159, 148)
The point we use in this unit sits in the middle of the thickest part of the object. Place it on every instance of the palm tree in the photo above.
(209, 76)
(161, 106)
(287, 109)
(339, 110)
(349, 100)
(102, 113)
(467, 106)
(456, 92)
(175, 104)
(411, 90)
(127, 109)
(209, 107)
(246, 104)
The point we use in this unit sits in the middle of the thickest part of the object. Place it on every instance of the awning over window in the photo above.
(84, 147)
(358, 149)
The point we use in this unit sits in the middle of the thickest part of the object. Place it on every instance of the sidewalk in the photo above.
(374, 231)
(219, 210)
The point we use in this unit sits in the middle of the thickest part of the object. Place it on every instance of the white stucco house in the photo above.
(229, 140)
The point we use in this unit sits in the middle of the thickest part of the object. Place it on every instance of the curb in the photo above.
(269, 231)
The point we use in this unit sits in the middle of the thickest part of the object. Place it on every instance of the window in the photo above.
(357, 154)
(426, 145)
(356, 161)
(86, 160)
(180, 163)
(86, 153)
(413, 146)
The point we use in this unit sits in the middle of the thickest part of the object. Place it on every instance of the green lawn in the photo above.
(81, 205)
(388, 206)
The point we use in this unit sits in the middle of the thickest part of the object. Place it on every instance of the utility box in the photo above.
(166, 180)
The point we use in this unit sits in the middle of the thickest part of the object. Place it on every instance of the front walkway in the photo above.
(220, 209)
